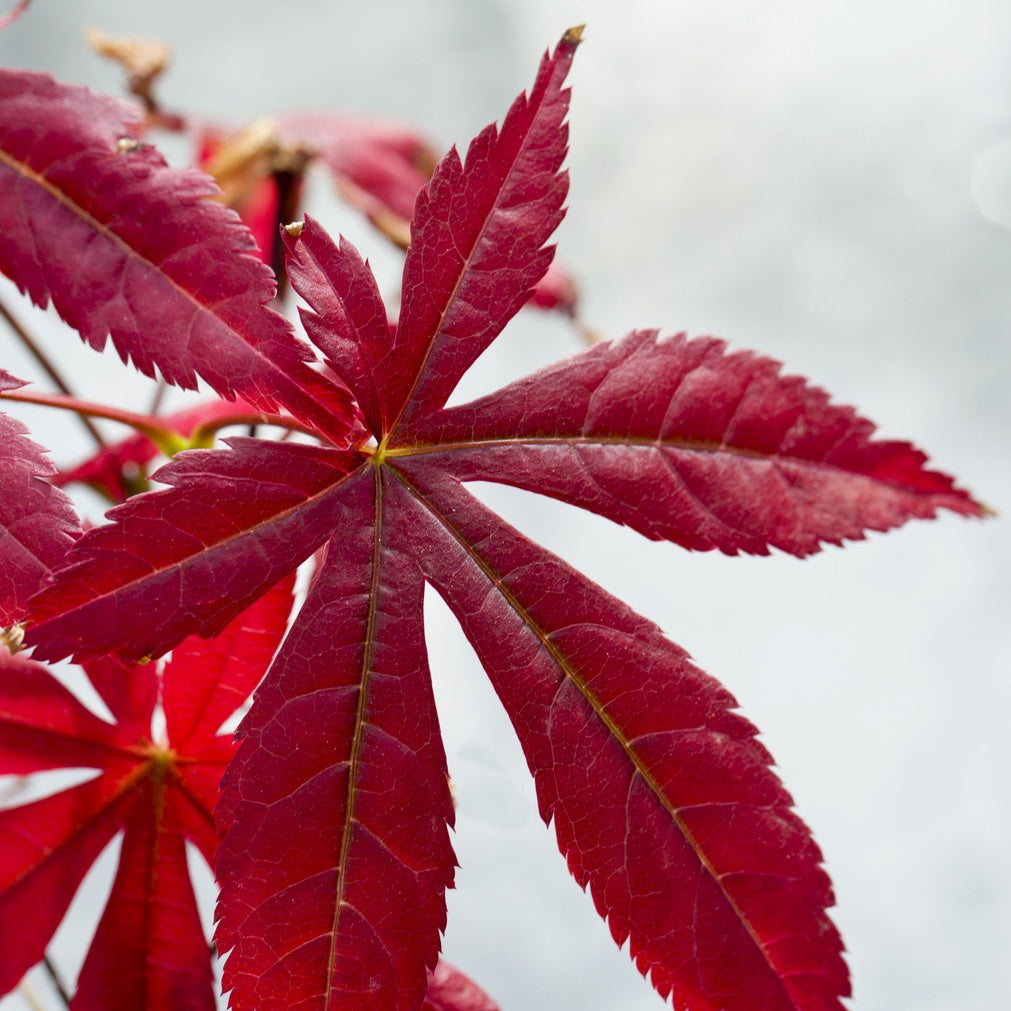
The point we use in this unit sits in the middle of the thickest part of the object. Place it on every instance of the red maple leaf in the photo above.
(149, 950)
(335, 812)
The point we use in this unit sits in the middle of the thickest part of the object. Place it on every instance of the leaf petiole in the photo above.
(164, 437)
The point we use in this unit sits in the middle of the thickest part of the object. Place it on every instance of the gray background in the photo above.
(829, 183)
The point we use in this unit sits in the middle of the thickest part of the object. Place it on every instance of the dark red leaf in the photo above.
(477, 243)
(682, 441)
(335, 855)
(662, 798)
(149, 951)
(38, 524)
(232, 524)
(346, 318)
(93, 219)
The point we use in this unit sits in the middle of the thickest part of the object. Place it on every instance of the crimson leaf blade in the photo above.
(47, 849)
(232, 524)
(92, 219)
(346, 318)
(683, 441)
(335, 855)
(662, 798)
(149, 951)
(477, 246)
(43, 725)
(38, 524)
(206, 680)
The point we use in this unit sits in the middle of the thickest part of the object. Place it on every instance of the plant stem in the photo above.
(57, 982)
(159, 396)
(163, 436)
(50, 369)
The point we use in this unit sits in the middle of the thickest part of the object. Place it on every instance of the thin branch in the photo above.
(50, 369)
(57, 982)
(163, 436)
(159, 396)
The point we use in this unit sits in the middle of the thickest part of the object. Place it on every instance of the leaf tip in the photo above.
(573, 36)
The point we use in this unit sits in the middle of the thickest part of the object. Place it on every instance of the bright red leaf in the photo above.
(149, 253)
(149, 951)
(335, 813)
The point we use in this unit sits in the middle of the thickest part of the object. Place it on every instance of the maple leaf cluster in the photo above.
(330, 832)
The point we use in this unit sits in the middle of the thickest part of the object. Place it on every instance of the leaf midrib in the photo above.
(421, 372)
(357, 739)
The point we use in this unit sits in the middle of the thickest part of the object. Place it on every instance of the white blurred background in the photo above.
(828, 183)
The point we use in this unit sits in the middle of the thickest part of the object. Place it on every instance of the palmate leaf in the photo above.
(335, 852)
(92, 219)
(149, 951)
